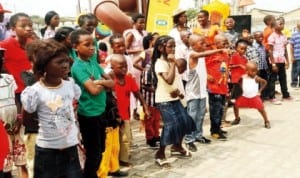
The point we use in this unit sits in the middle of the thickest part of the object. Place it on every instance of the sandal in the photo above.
(180, 152)
(163, 162)
(236, 121)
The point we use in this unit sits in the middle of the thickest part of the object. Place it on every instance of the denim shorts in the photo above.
(50, 163)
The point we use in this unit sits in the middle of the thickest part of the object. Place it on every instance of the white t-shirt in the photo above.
(57, 128)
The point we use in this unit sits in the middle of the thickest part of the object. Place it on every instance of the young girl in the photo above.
(92, 80)
(167, 96)
(143, 63)
(52, 98)
(4, 149)
(51, 21)
(251, 93)
(237, 68)
(62, 35)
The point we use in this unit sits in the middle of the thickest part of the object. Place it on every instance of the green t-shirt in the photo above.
(89, 105)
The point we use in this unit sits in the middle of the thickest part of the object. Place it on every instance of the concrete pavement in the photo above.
(251, 151)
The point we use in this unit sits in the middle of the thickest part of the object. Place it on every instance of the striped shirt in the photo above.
(295, 41)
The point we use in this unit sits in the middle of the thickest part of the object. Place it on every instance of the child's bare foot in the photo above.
(267, 125)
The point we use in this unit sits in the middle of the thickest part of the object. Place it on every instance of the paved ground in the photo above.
(251, 151)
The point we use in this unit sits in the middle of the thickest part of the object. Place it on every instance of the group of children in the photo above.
(82, 97)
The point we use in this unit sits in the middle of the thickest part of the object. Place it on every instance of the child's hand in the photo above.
(171, 57)
(274, 68)
(175, 93)
(287, 65)
(17, 126)
(210, 78)
(147, 112)
(258, 94)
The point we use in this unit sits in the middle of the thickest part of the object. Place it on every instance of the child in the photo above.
(62, 35)
(134, 46)
(196, 91)
(117, 43)
(217, 77)
(167, 96)
(92, 80)
(269, 21)
(143, 63)
(15, 58)
(51, 21)
(279, 61)
(16, 61)
(295, 58)
(88, 22)
(263, 69)
(251, 93)
(124, 85)
(52, 98)
(237, 69)
(230, 33)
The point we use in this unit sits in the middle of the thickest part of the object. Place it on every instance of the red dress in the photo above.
(249, 98)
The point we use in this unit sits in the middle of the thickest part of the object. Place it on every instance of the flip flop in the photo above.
(163, 163)
(181, 153)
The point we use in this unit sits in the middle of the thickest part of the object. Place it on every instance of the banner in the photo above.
(159, 15)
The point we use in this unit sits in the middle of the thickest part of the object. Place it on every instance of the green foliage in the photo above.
(191, 13)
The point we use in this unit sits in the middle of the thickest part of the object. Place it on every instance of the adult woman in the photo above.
(180, 24)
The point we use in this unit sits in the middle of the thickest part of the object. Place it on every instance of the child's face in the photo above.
(54, 22)
(224, 43)
(58, 67)
(23, 28)
(259, 37)
(89, 25)
(241, 48)
(85, 47)
(200, 45)
(170, 47)
(252, 71)
(118, 46)
(120, 67)
(140, 24)
(279, 25)
(229, 24)
(181, 66)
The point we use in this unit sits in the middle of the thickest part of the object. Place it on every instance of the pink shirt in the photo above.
(279, 42)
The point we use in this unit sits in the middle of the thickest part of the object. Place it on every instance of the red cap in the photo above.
(4, 10)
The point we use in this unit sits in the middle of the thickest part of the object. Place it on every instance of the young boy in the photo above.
(217, 75)
(269, 21)
(124, 85)
(196, 88)
(262, 60)
(230, 33)
(295, 57)
(278, 58)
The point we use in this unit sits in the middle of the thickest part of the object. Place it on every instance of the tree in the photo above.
(191, 13)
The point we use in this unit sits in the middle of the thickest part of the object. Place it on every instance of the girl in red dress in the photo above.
(250, 97)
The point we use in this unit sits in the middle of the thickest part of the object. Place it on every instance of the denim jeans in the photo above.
(282, 81)
(196, 109)
(93, 136)
(55, 163)
(295, 73)
(216, 109)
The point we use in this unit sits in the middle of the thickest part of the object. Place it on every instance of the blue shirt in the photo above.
(295, 41)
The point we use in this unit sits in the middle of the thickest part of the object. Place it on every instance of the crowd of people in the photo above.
(67, 99)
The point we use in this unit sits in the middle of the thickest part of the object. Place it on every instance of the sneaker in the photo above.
(275, 101)
(151, 142)
(191, 146)
(125, 164)
(203, 140)
(236, 121)
(118, 174)
(219, 136)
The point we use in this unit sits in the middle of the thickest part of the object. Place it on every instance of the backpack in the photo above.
(147, 76)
